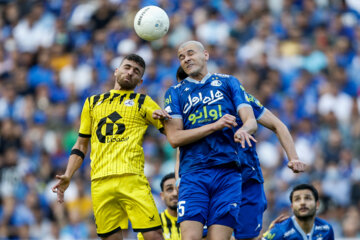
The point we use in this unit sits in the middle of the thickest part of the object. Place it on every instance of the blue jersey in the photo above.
(203, 102)
(290, 230)
(250, 166)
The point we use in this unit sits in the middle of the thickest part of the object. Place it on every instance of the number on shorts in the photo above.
(181, 208)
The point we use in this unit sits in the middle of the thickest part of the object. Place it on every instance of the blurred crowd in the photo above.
(300, 58)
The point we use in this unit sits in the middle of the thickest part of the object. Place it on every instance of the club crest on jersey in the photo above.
(129, 103)
(216, 83)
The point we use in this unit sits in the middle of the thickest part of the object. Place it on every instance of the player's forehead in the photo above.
(169, 182)
(127, 62)
(302, 193)
(133, 64)
(191, 46)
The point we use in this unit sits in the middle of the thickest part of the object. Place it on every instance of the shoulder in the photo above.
(280, 230)
(322, 225)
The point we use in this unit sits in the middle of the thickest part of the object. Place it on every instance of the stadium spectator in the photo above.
(304, 224)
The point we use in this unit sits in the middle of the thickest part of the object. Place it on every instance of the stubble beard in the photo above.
(125, 85)
(306, 217)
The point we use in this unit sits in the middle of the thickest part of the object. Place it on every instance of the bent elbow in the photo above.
(173, 142)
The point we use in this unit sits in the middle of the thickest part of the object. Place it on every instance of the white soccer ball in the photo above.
(151, 23)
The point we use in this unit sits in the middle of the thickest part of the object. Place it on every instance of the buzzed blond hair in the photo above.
(197, 43)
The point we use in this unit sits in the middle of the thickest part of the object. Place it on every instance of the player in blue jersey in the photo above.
(203, 108)
(253, 202)
(304, 225)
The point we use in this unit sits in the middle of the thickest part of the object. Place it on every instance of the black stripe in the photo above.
(141, 100)
(168, 223)
(133, 95)
(85, 135)
(96, 99)
(106, 96)
(146, 229)
(114, 96)
(104, 235)
(122, 97)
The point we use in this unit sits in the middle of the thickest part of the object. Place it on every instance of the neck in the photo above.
(116, 86)
(200, 75)
(172, 212)
(306, 225)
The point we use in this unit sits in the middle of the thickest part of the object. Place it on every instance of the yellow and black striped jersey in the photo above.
(116, 121)
(171, 229)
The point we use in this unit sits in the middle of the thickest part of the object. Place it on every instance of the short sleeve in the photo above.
(238, 93)
(150, 106)
(85, 123)
(257, 107)
(172, 103)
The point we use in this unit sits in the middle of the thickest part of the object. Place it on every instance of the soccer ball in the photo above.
(151, 23)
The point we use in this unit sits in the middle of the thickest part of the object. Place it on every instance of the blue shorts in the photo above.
(210, 196)
(253, 205)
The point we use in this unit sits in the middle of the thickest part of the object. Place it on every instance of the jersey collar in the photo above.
(206, 77)
(303, 234)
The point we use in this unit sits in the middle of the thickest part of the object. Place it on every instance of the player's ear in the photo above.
(317, 205)
(140, 82)
(162, 196)
(206, 55)
(115, 72)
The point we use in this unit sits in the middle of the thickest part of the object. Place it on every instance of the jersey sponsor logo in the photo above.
(216, 83)
(205, 115)
(192, 101)
(222, 75)
(110, 129)
(129, 102)
(322, 227)
(290, 232)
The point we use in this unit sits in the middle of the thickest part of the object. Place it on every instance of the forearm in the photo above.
(286, 141)
(75, 161)
(250, 126)
(179, 138)
(177, 164)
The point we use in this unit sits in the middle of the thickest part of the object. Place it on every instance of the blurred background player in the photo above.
(169, 195)
(304, 224)
(116, 122)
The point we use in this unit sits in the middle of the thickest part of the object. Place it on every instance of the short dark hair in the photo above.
(181, 74)
(166, 177)
(135, 58)
(303, 187)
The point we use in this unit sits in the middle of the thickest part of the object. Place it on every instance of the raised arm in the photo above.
(177, 136)
(270, 121)
(76, 158)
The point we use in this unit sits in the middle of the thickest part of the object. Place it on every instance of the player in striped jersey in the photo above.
(116, 122)
(169, 194)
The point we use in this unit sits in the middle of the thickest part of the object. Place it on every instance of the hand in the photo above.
(296, 166)
(61, 186)
(161, 114)
(279, 219)
(242, 136)
(225, 121)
